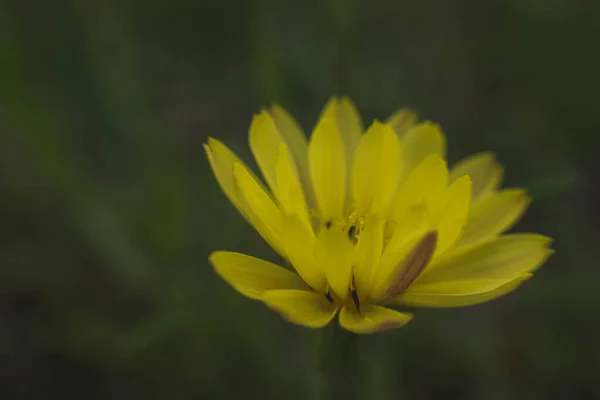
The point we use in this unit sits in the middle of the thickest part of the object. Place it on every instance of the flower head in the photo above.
(369, 220)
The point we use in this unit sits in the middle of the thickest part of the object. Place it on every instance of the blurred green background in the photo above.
(109, 209)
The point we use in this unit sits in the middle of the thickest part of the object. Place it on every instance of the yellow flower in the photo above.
(369, 220)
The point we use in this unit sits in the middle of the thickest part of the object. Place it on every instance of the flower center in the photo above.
(353, 295)
(353, 226)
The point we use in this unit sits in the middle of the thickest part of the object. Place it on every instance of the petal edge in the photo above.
(372, 319)
(301, 307)
(252, 276)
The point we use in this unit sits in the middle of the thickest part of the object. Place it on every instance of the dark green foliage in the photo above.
(109, 210)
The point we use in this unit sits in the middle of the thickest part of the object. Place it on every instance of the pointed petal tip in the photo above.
(492, 159)
(547, 254)
(216, 148)
(211, 258)
(431, 128)
(488, 158)
(519, 193)
(465, 178)
(207, 150)
(403, 120)
(465, 181)
(262, 112)
(346, 101)
(433, 159)
(429, 124)
(276, 108)
(254, 120)
(547, 239)
(332, 101)
(211, 142)
(544, 241)
(258, 119)
(380, 126)
(485, 170)
(214, 253)
(522, 198)
(219, 255)
(325, 121)
(488, 155)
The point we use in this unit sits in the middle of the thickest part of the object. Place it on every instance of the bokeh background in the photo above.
(108, 209)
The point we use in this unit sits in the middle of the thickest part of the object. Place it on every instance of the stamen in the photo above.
(329, 297)
(352, 234)
(352, 218)
(355, 225)
(355, 299)
(354, 294)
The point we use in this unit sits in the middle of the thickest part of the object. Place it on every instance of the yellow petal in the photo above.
(506, 257)
(221, 160)
(299, 242)
(494, 214)
(343, 112)
(335, 253)
(328, 169)
(260, 209)
(301, 307)
(409, 269)
(424, 185)
(372, 319)
(414, 222)
(398, 269)
(420, 142)
(376, 169)
(485, 172)
(289, 189)
(417, 200)
(291, 133)
(297, 146)
(452, 221)
(252, 276)
(458, 293)
(402, 121)
(265, 139)
(367, 254)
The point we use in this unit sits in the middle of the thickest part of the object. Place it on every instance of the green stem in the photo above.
(339, 358)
